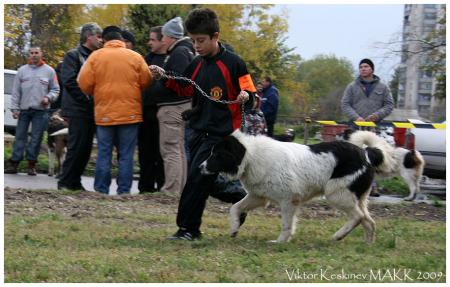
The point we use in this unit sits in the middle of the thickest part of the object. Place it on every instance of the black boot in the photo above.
(12, 169)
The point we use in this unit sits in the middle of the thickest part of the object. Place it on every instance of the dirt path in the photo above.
(85, 204)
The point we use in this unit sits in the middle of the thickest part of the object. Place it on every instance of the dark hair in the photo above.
(268, 79)
(112, 33)
(202, 21)
(158, 31)
(112, 36)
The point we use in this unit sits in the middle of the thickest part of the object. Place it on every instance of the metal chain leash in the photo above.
(203, 93)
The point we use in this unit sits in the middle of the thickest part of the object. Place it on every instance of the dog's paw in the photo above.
(337, 237)
(233, 233)
(409, 198)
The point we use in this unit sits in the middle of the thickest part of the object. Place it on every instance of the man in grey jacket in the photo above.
(367, 98)
(35, 87)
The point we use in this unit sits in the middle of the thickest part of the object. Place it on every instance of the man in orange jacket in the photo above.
(115, 77)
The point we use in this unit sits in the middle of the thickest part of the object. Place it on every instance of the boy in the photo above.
(222, 75)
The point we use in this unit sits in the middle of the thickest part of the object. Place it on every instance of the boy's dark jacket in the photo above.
(217, 76)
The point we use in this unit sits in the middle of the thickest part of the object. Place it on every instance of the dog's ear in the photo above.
(236, 149)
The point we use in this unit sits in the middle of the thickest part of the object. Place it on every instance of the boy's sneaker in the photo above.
(185, 235)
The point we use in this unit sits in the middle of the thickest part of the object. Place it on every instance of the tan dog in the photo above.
(58, 133)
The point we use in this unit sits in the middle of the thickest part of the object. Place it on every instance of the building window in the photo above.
(424, 97)
(425, 74)
(430, 16)
(425, 86)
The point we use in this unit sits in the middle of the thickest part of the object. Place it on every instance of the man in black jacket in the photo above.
(170, 106)
(78, 109)
(151, 177)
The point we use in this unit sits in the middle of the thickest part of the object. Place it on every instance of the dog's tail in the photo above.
(64, 131)
(370, 141)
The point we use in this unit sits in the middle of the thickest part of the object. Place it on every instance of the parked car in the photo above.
(9, 122)
(431, 143)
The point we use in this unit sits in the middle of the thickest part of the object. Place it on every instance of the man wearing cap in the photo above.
(367, 98)
(180, 53)
(78, 108)
(129, 39)
(115, 77)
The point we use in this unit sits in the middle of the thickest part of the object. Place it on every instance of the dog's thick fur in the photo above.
(408, 164)
(291, 174)
(57, 141)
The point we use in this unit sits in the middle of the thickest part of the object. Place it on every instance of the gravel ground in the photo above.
(85, 204)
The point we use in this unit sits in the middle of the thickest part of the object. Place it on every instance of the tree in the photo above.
(394, 83)
(144, 16)
(51, 28)
(326, 76)
(259, 38)
(16, 39)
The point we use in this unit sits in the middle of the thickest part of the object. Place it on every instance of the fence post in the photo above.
(306, 130)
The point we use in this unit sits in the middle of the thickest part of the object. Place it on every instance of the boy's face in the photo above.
(205, 45)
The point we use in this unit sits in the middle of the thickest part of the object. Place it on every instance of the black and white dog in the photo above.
(291, 174)
(408, 164)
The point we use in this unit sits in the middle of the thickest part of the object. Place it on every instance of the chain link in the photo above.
(173, 77)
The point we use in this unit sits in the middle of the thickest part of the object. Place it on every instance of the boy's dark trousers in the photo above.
(198, 187)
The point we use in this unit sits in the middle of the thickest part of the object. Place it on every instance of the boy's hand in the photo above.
(156, 71)
(243, 96)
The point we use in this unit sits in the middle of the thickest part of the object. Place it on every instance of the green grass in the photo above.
(124, 246)
(394, 185)
(299, 132)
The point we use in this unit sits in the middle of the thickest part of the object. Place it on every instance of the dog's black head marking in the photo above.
(226, 156)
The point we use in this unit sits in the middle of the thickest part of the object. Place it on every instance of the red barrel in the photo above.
(399, 136)
(329, 132)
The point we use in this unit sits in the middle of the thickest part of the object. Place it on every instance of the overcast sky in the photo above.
(350, 31)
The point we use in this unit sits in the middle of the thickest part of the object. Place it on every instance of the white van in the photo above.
(10, 122)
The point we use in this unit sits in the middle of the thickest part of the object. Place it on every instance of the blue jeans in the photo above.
(39, 122)
(127, 139)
